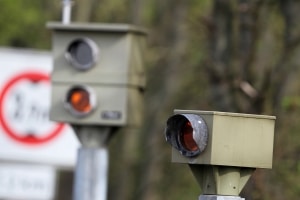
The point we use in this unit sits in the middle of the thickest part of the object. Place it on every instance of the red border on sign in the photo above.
(33, 76)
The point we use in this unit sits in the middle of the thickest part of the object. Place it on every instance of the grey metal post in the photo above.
(219, 197)
(66, 12)
(91, 174)
(92, 163)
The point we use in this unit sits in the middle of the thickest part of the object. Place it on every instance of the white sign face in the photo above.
(26, 182)
(26, 114)
(26, 133)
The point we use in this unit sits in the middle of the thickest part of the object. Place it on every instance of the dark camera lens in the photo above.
(81, 53)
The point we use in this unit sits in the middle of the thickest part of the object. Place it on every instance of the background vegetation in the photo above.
(225, 55)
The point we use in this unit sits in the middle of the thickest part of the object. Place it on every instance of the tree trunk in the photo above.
(174, 32)
(83, 10)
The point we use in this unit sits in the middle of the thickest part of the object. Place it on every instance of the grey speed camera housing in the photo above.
(107, 60)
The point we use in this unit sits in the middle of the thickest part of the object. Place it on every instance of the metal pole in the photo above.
(219, 197)
(66, 14)
(91, 174)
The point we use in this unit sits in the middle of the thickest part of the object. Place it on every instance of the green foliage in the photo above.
(291, 103)
(23, 24)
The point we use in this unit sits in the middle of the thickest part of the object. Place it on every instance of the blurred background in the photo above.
(236, 56)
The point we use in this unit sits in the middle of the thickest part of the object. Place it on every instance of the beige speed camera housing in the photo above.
(234, 139)
(236, 145)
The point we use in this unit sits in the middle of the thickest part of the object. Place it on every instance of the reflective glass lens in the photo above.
(186, 137)
(79, 100)
(81, 52)
(187, 133)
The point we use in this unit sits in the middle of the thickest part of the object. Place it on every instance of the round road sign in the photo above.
(24, 107)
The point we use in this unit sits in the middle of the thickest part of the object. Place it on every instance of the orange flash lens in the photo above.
(187, 139)
(80, 100)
